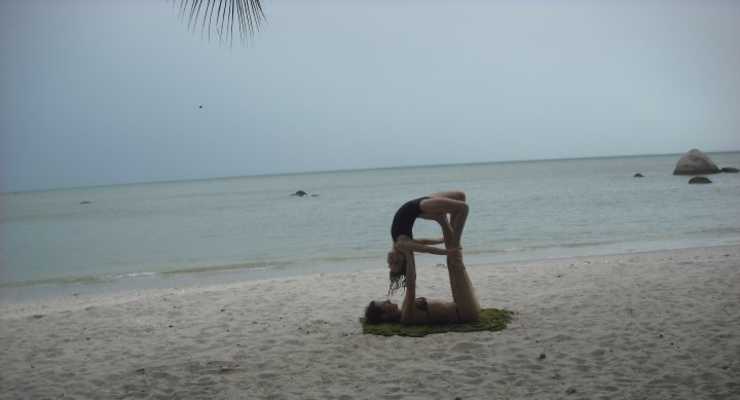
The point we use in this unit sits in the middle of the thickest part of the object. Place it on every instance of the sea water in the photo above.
(98, 239)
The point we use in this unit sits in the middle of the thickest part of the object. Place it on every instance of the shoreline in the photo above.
(641, 325)
(134, 293)
(135, 282)
(130, 294)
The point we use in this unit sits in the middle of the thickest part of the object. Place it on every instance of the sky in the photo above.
(97, 92)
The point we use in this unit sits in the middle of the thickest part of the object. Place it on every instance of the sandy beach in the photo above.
(659, 325)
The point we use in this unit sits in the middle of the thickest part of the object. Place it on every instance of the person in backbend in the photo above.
(403, 267)
(435, 207)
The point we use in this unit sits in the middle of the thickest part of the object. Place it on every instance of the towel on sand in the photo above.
(491, 319)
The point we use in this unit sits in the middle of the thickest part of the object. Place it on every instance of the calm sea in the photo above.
(218, 230)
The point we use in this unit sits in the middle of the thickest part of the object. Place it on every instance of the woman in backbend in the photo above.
(402, 264)
(435, 207)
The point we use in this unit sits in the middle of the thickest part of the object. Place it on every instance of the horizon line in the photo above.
(324, 171)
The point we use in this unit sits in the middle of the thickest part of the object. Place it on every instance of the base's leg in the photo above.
(463, 293)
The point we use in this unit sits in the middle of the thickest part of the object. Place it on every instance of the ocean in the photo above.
(177, 234)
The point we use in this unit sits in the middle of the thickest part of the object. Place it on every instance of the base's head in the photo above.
(382, 311)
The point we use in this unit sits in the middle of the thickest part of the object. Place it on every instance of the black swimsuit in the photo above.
(405, 217)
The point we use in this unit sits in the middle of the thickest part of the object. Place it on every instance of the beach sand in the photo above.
(659, 325)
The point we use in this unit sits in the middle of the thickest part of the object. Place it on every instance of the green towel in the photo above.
(491, 319)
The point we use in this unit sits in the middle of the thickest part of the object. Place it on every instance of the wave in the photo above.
(721, 230)
(69, 280)
(78, 280)
(92, 279)
(134, 275)
(533, 247)
(256, 265)
(585, 244)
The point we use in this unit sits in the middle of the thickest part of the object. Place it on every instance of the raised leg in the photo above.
(457, 220)
(454, 195)
(463, 293)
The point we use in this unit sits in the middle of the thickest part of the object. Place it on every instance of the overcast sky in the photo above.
(100, 91)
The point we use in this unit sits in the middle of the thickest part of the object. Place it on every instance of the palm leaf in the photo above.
(217, 18)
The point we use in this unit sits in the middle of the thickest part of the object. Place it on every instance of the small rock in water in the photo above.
(37, 316)
(542, 356)
(699, 179)
(85, 202)
(570, 390)
(731, 170)
(638, 175)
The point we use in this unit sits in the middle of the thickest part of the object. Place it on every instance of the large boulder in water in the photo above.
(695, 162)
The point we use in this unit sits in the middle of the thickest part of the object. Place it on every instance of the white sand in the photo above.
(663, 325)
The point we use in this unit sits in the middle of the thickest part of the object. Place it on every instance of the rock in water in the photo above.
(299, 193)
(695, 162)
(699, 179)
(731, 170)
(638, 175)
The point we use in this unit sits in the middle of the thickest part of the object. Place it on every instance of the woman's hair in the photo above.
(398, 279)
(373, 313)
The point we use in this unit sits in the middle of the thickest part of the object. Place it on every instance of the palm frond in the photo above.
(217, 18)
